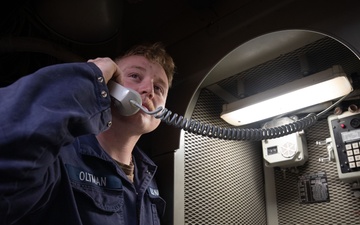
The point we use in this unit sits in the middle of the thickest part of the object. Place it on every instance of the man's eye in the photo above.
(159, 89)
(134, 75)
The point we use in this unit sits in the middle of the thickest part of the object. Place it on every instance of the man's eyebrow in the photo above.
(159, 80)
(136, 67)
(162, 82)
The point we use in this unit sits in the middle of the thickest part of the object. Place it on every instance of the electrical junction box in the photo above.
(286, 151)
(345, 140)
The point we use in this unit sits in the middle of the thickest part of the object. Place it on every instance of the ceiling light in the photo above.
(308, 91)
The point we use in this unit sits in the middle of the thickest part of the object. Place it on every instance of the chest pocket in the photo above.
(104, 191)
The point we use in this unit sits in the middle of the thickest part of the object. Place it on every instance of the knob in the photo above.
(355, 123)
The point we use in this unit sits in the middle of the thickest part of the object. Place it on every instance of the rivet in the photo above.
(100, 79)
(104, 94)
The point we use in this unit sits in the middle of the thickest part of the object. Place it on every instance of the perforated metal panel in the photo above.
(343, 207)
(310, 59)
(224, 179)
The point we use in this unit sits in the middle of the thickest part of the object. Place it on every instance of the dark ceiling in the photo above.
(35, 33)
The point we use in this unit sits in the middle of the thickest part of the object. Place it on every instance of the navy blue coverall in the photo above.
(52, 169)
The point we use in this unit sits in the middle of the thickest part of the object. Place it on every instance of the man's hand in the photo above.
(108, 67)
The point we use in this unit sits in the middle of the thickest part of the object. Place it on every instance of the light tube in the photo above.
(296, 95)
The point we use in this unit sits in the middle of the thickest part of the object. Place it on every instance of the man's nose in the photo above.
(147, 88)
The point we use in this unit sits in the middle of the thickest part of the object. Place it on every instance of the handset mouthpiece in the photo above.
(123, 97)
(145, 110)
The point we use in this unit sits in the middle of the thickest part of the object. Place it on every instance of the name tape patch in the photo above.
(101, 180)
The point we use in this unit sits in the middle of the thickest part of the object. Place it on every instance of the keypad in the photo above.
(353, 154)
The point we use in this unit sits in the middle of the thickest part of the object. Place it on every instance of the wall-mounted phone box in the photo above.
(345, 137)
(286, 151)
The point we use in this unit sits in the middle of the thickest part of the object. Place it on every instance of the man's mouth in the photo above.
(148, 105)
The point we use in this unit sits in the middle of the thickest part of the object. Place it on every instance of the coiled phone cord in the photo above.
(249, 134)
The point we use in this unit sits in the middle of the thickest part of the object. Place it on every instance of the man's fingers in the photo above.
(107, 66)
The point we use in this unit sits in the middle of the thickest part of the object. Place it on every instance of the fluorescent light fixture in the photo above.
(308, 91)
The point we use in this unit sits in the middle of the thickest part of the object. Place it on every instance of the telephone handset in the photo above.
(123, 97)
(128, 101)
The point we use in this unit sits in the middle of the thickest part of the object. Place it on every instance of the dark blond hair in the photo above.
(154, 53)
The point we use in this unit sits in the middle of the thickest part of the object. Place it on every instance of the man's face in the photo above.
(150, 81)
